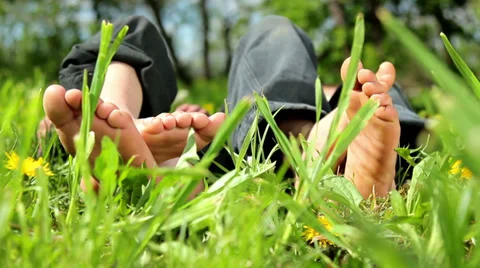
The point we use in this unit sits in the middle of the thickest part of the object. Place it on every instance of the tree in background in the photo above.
(330, 23)
(39, 33)
(36, 34)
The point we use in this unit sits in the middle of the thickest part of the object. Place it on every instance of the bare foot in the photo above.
(166, 134)
(371, 158)
(63, 108)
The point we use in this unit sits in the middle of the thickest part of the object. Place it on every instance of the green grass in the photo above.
(247, 216)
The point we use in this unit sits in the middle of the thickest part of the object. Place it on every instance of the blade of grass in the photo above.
(91, 94)
(347, 87)
(318, 104)
(282, 139)
(105, 55)
(452, 83)
(350, 80)
(249, 138)
(223, 134)
(358, 122)
(467, 74)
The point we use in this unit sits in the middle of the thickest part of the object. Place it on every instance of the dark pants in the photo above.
(275, 58)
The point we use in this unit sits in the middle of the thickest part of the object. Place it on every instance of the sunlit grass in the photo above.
(247, 217)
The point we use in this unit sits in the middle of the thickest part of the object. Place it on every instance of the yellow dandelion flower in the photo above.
(311, 235)
(12, 160)
(45, 167)
(209, 107)
(28, 166)
(464, 172)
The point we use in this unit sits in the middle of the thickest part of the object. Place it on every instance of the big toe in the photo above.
(213, 126)
(120, 119)
(386, 74)
(56, 107)
(200, 120)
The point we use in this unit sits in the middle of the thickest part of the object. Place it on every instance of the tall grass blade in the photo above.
(467, 74)
(453, 84)
(282, 139)
(350, 80)
(105, 55)
(354, 127)
(462, 123)
(223, 134)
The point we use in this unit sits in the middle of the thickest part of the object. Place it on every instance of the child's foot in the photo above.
(371, 157)
(63, 108)
(166, 134)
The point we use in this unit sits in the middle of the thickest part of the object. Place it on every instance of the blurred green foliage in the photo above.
(39, 33)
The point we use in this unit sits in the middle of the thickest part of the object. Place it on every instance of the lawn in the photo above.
(250, 216)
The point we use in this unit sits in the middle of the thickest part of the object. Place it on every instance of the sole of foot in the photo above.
(371, 157)
(63, 109)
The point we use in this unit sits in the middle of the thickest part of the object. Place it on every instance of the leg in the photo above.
(137, 64)
(275, 59)
(144, 54)
(142, 83)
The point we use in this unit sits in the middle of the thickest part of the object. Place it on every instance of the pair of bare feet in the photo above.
(369, 162)
(150, 141)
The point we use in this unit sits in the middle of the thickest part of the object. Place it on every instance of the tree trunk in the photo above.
(206, 40)
(96, 9)
(375, 35)
(227, 39)
(338, 13)
(336, 9)
(182, 72)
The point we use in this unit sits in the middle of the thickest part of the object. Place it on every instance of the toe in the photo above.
(344, 68)
(183, 120)
(371, 88)
(365, 76)
(182, 108)
(386, 74)
(189, 108)
(213, 126)
(383, 99)
(150, 125)
(74, 98)
(56, 107)
(104, 109)
(194, 108)
(386, 111)
(168, 120)
(119, 119)
(199, 120)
